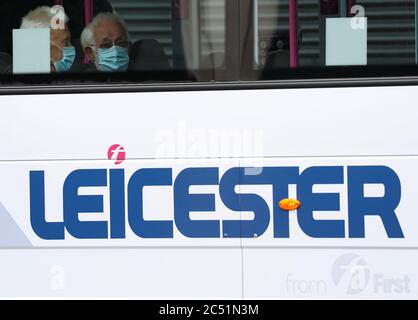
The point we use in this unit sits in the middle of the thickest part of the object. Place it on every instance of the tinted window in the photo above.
(204, 40)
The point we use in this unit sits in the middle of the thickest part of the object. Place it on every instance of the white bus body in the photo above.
(199, 136)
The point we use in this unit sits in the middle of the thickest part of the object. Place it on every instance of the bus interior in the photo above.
(220, 40)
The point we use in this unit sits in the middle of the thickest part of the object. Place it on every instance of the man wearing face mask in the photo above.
(62, 53)
(106, 43)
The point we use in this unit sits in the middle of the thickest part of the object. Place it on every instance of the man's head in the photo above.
(106, 43)
(55, 19)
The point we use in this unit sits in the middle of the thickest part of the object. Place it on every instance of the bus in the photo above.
(237, 149)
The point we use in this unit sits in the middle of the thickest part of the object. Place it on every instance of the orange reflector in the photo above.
(289, 204)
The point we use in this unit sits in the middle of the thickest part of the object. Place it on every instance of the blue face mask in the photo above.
(114, 59)
(68, 57)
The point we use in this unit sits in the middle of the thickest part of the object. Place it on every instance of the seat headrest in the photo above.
(278, 59)
(6, 63)
(148, 55)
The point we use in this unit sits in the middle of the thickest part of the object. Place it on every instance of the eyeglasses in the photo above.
(109, 44)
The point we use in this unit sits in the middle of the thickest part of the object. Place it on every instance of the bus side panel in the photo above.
(302, 128)
(132, 273)
(239, 123)
(350, 273)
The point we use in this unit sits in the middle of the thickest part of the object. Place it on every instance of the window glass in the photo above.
(212, 33)
(116, 37)
(78, 41)
(148, 20)
(335, 32)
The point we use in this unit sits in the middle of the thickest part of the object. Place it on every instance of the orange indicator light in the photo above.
(289, 204)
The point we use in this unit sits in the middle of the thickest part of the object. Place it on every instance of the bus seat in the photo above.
(6, 63)
(278, 59)
(148, 55)
(78, 65)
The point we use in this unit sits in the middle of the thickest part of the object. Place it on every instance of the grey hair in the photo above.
(45, 18)
(87, 36)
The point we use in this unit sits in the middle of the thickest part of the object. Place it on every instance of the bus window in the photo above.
(207, 40)
(184, 34)
(330, 33)
(141, 36)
